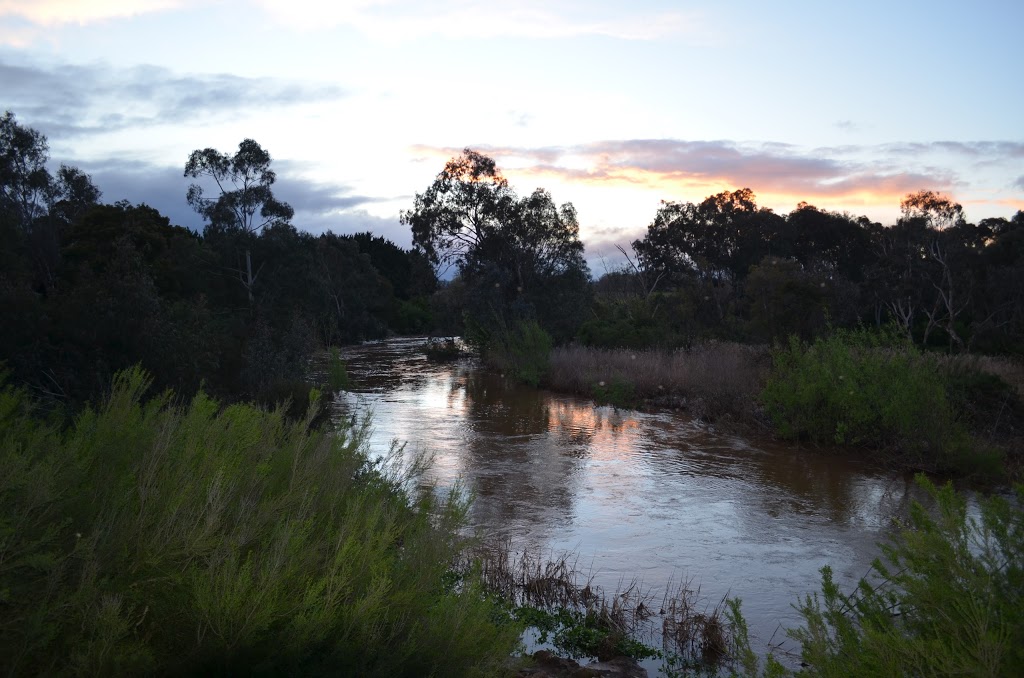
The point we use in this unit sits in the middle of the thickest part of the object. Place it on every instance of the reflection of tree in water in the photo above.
(833, 485)
(497, 405)
(518, 470)
(785, 479)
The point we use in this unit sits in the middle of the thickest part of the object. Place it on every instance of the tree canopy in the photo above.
(521, 258)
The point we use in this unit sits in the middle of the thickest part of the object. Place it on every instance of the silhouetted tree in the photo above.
(244, 204)
(519, 258)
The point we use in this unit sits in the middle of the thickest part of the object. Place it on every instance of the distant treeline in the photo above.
(726, 268)
(87, 288)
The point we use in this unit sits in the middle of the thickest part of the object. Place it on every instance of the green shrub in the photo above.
(414, 316)
(522, 351)
(337, 371)
(617, 392)
(864, 388)
(949, 600)
(154, 537)
(442, 350)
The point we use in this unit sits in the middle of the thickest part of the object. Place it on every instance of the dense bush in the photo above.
(158, 537)
(864, 388)
(521, 350)
(949, 600)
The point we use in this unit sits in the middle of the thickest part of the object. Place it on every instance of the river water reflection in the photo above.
(651, 495)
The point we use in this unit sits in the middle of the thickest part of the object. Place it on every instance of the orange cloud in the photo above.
(847, 178)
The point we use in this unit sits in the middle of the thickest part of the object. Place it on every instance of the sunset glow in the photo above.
(614, 109)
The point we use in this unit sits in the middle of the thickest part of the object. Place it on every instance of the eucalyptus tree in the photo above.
(243, 203)
(519, 257)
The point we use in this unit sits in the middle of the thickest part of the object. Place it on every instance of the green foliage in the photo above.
(864, 388)
(948, 600)
(193, 538)
(337, 372)
(414, 316)
(522, 351)
(617, 392)
(581, 633)
(443, 350)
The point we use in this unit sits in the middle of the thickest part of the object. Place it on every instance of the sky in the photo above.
(613, 106)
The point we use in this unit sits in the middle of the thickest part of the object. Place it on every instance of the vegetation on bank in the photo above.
(158, 536)
(877, 390)
(945, 598)
(855, 388)
(712, 379)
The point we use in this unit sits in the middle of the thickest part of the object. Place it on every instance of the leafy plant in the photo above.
(194, 538)
(522, 350)
(337, 371)
(864, 388)
(948, 599)
(617, 392)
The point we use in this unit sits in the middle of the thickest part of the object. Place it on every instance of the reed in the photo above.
(711, 379)
(565, 606)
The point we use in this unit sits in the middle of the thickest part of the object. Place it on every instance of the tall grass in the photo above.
(158, 536)
(714, 378)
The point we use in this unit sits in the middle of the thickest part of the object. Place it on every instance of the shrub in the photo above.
(443, 350)
(337, 371)
(522, 350)
(617, 392)
(193, 538)
(864, 388)
(948, 601)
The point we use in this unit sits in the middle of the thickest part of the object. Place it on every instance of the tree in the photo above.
(245, 203)
(936, 210)
(520, 258)
(718, 239)
(468, 202)
(35, 206)
(25, 182)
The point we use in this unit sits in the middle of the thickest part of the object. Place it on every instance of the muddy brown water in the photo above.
(651, 496)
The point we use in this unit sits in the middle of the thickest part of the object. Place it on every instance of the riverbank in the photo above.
(725, 384)
(718, 382)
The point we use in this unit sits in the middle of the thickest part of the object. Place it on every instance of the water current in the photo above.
(653, 496)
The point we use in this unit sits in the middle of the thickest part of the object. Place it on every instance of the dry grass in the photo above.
(709, 379)
(1009, 370)
(690, 632)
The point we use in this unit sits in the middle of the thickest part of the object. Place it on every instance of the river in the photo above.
(653, 496)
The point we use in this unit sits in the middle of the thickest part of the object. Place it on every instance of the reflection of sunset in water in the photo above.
(600, 428)
(652, 495)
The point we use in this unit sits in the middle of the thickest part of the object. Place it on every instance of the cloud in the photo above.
(704, 167)
(1019, 183)
(70, 100)
(392, 20)
(318, 207)
(974, 149)
(55, 12)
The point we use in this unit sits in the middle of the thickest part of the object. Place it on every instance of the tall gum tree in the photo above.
(519, 257)
(244, 204)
